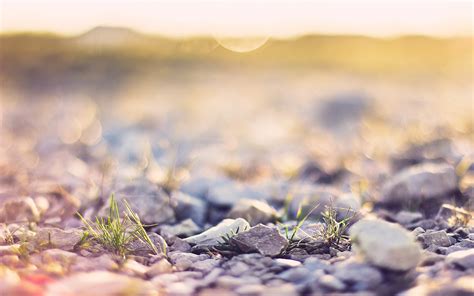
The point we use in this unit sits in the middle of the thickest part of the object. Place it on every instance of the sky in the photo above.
(242, 18)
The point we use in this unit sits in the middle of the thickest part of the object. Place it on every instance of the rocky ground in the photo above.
(339, 199)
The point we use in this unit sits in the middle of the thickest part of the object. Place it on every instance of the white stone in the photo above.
(214, 235)
(385, 244)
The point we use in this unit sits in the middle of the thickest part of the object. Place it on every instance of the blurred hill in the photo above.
(104, 58)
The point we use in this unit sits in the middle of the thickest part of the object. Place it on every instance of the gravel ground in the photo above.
(287, 186)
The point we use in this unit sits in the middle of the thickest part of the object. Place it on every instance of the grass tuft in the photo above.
(115, 233)
(334, 232)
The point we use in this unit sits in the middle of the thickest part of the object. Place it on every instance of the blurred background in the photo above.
(251, 89)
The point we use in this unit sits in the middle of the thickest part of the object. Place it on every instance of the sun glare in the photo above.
(241, 44)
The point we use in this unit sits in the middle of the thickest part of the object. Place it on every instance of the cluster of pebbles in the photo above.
(223, 229)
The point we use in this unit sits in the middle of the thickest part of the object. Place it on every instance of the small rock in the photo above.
(417, 231)
(331, 282)
(342, 112)
(405, 217)
(205, 266)
(313, 263)
(58, 255)
(185, 228)
(215, 291)
(231, 282)
(464, 258)
(214, 235)
(438, 238)
(160, 267)
(19, 210)
(141, 248)
(152, 204)
(134, 268)
(280, 290)
(189, 207)
(254, 211)
(420, 182)
(262, 239)
(437, 150)
(250, 290)
(180, 289)
(58, 238)
(359, 276)
(226, 194)
(287, 262)
(179, 244)
(295, 275)
(385, 244)
(103, 262)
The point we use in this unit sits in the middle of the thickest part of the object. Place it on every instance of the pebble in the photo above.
(438, 238)
(19, 210)
(151, 203)
(385, 244)
(189, 207)
(360, 276)
(262, 239)
(254, 211)
(58, 238)
(420, 182)
(331, 282)
(464, 259)
(160, 267)
(213, 235)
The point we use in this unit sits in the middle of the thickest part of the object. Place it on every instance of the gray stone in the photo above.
(342, 112)
(295, 275)
(385, 244)
(231, 282)
(185, 228)
(226, 194)
(57, 238)
(213, 235)
(205, 265)
(189, 207)
(313, 264)
(280, 290)
(103, 262)
(287, 262)
(146, 199)
(176, 257)
(139, 247)
(254, 211)
(198, 185)
(160, 267)
(133, 268)
(180, 289)
(359, 276)
(418, 183)
(438, 238)
(250, 290)
(19, 210)
(463, 258)
(262, 239)
(405, 217)
(331, 282)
